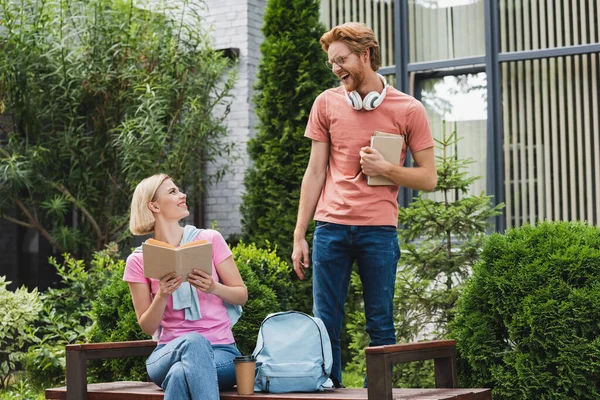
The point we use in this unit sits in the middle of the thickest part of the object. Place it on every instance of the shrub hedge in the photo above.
(527, 322)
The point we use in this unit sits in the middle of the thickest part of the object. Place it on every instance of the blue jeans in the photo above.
(189, 367)
(376, 251)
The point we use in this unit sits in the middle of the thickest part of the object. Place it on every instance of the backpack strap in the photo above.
(336, 383)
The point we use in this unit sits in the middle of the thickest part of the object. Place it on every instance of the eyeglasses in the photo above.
(339, 60)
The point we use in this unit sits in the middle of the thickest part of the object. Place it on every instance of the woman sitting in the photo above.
(195, 352)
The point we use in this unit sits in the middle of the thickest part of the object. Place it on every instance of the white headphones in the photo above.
(371, 101)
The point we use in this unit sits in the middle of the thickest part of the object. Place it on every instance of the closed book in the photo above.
(162, 258)
(390, 146)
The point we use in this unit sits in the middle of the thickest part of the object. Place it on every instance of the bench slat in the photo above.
(149, 391)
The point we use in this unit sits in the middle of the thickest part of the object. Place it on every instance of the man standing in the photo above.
(355, 221)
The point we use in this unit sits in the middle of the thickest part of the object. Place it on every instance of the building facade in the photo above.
(519, 81)
(235, 24)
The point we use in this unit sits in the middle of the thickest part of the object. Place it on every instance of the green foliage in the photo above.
(450, 226)
(527, 322)
(353, 379)
(115, 321)
(19, 310)
(269, 268)
(96, 95)
(267, 280)
(276, 274)
(66, 315)
(291, 75)
(442, 236)
(22, 389)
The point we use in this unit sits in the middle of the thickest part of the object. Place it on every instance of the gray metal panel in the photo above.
(456, 62)
(548, 53)
(495, 161)
(402, 82)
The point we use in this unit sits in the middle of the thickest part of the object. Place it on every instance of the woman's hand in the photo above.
(168, 285)
(202, 281)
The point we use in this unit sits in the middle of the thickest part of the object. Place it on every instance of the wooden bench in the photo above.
(379, 375)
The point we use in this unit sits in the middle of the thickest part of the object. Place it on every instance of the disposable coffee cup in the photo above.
(245, 368)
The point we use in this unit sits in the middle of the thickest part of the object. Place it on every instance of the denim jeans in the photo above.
(376, 251)
(189, 367)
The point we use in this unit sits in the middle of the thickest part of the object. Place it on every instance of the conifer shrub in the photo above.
(527, 322)
(291, 74)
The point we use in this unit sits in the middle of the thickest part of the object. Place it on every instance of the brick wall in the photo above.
(235, 23)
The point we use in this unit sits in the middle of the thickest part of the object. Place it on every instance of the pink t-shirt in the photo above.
(346, 198)
(214, 325)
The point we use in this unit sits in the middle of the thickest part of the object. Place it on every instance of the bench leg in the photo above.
(445, 372)
(76, 376)
(379, 377)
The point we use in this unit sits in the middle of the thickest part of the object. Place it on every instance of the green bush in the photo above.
(527, 321)
(115, 321)
(266, 278)
(277, 275)
(66, 316)
(19, 310)
(22, 389)
(291, 74)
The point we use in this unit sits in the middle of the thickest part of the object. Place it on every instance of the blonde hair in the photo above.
(141, 219)
(358, 37)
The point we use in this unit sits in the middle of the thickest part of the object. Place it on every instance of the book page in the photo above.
(194, 243)
(160, 243)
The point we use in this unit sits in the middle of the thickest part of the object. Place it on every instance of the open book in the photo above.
(162, 258)
(390, 147)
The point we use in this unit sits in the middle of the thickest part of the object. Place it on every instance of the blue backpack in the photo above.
(293, 354)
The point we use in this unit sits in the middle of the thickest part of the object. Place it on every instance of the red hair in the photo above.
(358, 37)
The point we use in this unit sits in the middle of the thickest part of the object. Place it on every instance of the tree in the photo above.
(292, 73)
(96, 95)
(443, 234)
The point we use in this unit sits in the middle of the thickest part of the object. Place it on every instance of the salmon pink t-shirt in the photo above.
(214, 325)
(346, 198)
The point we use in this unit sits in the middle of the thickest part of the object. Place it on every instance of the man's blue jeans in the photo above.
(189, 367)
(376, 251)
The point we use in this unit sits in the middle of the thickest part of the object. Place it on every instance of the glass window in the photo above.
(459, 103)
(446, 29)
(551, 143)
(534, 25)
